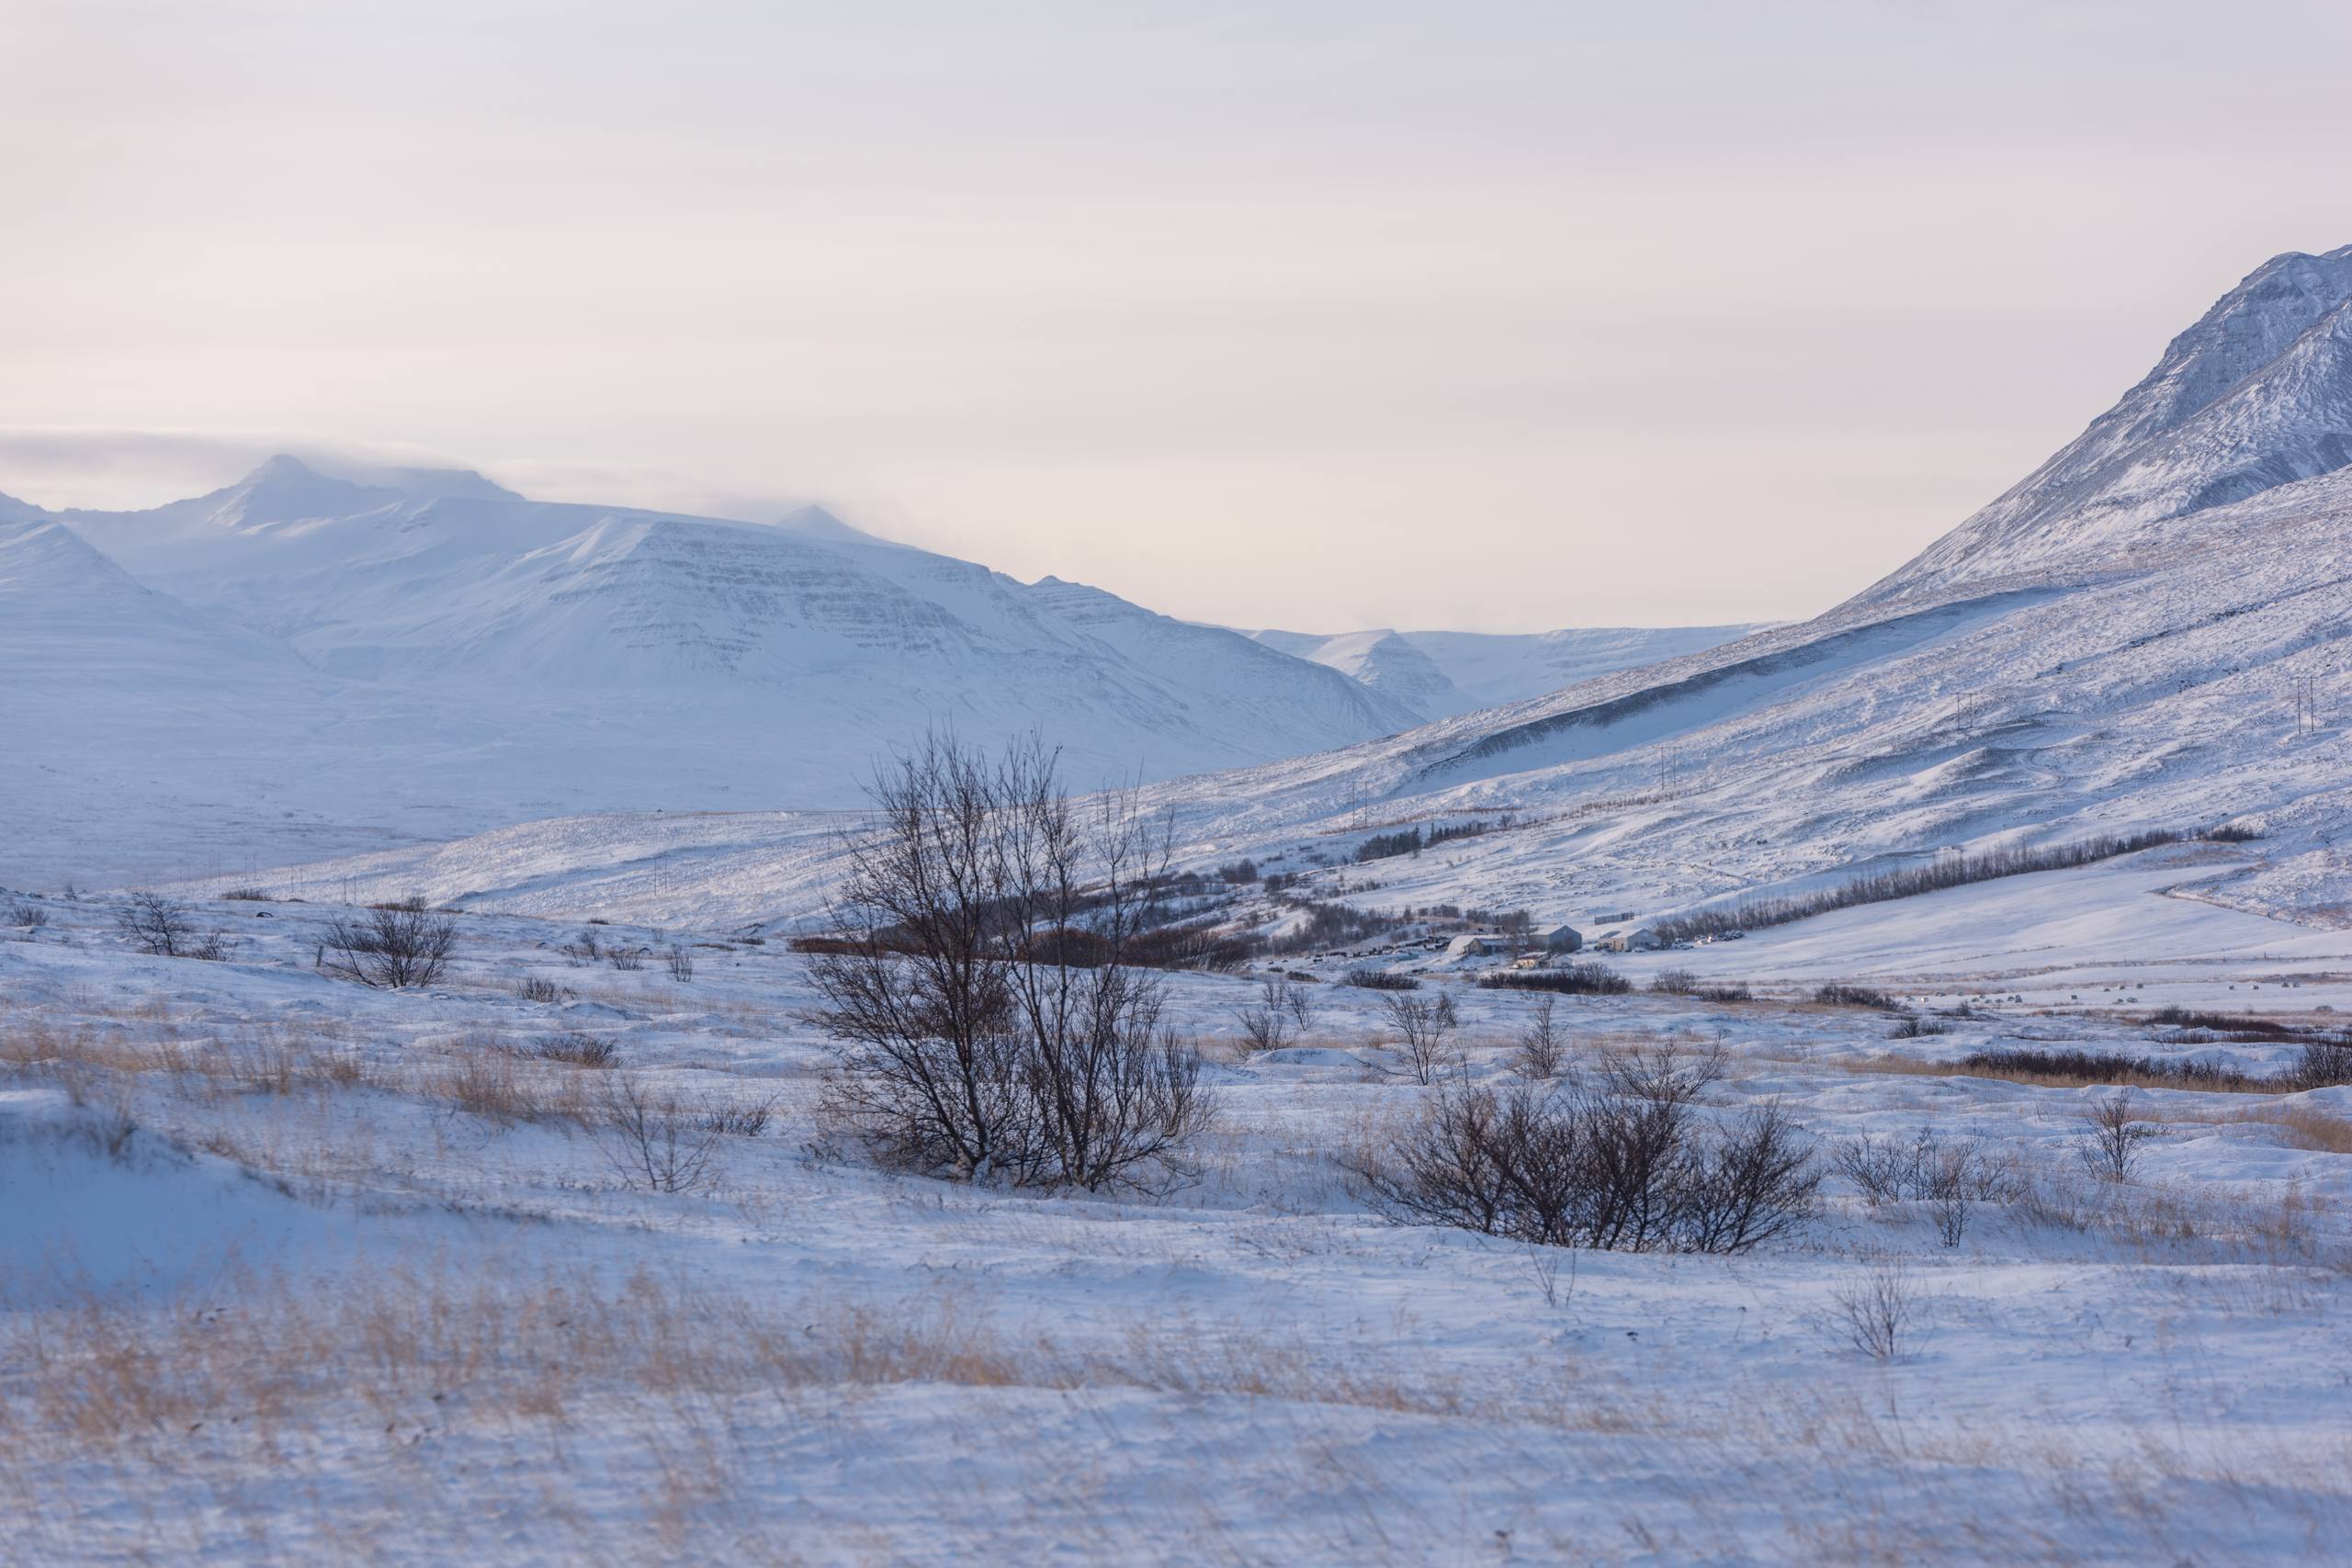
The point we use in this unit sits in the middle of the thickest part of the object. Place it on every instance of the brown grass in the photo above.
(2299, 1126)
(1912, 1067)
(483, 1080)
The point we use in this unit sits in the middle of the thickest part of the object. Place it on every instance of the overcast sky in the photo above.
(1491, 316)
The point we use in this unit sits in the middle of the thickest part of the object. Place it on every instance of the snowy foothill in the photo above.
(303, 1270)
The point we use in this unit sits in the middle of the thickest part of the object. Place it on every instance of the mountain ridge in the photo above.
(2257, 393)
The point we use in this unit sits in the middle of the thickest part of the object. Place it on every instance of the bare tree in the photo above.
(1516, 927)
(2112, 1137)
(157, 925)
(1542, 1050)
(391, 947)
(680, 964)
(1424, 1025)
(991, 1021)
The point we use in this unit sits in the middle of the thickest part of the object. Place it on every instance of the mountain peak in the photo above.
(282, 465)
(2257, 393)
(285, 469)
(818, 524)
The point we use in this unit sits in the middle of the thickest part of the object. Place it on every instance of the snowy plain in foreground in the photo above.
(336, 1299)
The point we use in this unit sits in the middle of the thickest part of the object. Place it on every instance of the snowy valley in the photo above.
(1997, 1211)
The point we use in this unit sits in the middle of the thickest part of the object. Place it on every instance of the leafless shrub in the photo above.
(680, 963)
(2321, 1064)
(650, 1139)
(1685, 983)
(535, 988)
(1745, 1184)
(1270, 1022)
(1597, 1168)
(1913, 1027)
(629, 959)
(1298, 1001)
(1847, 996)
(1893, 1170)
(1542, 1049)
(582, 949)
(1379, 980)
(1424, 1027)
(1948, 1176)
(2110, 1143)
(1568, 979)
(248, 896)
(576, 1049)
(157, 926)
(748, 1119)
(1667, 1071)
(29, 916)
(1543, 1262)
(1878, 1308)
(394, 947)
(990, 1021)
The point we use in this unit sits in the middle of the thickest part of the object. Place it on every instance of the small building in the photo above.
(1473, 944)
(1641, 938)
(1558, 939)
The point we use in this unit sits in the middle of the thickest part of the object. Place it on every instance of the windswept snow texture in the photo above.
(321, 1274)
(1438, 674)
(303, 663)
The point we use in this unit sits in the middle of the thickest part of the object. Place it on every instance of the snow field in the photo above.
(312, 1273)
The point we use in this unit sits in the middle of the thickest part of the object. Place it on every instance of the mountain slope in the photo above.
(2258, 393)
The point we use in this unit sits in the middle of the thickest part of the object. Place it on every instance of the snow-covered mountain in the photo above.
(2258, 393)
(2153, 632)
(454, 656)
(1438, 674)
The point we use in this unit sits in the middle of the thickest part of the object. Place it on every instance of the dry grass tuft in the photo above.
(508, 1088)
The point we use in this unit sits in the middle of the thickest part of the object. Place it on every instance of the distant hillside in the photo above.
(1438, 674)
(443, 655)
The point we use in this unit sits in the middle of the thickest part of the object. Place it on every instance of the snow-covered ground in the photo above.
(296, 1271)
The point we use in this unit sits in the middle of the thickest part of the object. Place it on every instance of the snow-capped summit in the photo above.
(2257, 394)
(459, 656)
(817, 523)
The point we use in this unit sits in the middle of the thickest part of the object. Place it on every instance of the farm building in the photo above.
(1476, 944)
(1558, 939)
